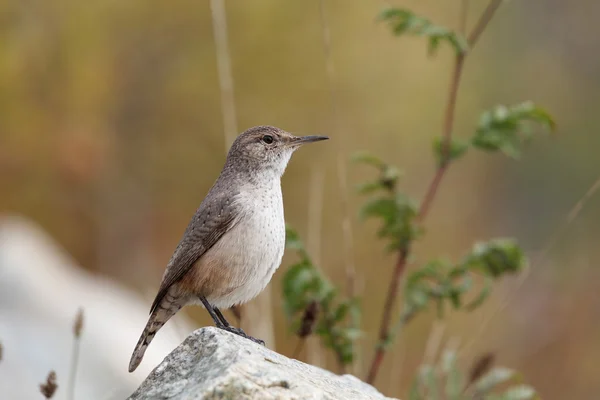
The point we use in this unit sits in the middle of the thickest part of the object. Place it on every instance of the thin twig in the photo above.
(483, 22)
(383, 343)
(314, 348)
(224, 70)
(77, 330)
(341, 165)
(347, 236)
(448, 124)
(315, 214)
(299, 347)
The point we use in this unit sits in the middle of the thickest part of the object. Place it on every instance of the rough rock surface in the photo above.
(213, 364)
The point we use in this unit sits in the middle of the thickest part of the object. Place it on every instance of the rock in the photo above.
(213, 364)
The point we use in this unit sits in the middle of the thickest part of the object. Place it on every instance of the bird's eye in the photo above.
(268, 139)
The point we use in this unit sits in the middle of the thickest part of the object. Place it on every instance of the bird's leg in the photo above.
(212, 312)
(221, 317)
(222, 323)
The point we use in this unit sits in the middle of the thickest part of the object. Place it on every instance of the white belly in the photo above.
(252, 250)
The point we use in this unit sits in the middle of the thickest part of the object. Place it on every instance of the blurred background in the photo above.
(111, 133)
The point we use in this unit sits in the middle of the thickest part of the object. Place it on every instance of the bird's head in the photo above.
(267, 148)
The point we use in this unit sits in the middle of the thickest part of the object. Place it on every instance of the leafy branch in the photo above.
(404, 22)
(313, 305)
(437, 281)
(504, 131)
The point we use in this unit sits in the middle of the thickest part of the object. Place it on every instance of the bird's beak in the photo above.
(300, 140)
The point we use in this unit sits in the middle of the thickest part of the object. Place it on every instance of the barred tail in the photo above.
(159, 316)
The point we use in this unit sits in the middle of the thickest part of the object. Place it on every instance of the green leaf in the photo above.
(403, 21)
(456, 150)
(482, 296)
(383, 207)
(507, 129)
(417, 296)
(296, 283)
(397, 214)
(292, 239)
(341, 312)
(494, 378)
(497, 257)
(455, 298)
(304, 284)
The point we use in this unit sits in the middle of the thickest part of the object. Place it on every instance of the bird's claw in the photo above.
(240, 332)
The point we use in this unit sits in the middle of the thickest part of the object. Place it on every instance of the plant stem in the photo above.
(347, 235)
(77, 331)
(448, 124)
(228, 111)
(483, 22)
(74, 367)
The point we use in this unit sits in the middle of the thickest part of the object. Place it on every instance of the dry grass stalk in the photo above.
(78, 325)
(352, 288)
(307, 326)
(257, 315)
(77, 331)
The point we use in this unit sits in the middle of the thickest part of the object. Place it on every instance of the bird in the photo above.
(235, 241)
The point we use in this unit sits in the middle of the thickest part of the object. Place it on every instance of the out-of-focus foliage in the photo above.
(456, 149)
(446, 380)
(503, 129)
(308, 295)
(403, 21)
(395, 210)
(437, 281)
(508, 128)
(445, 283)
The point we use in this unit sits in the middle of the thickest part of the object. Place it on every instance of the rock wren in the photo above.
(235, 241)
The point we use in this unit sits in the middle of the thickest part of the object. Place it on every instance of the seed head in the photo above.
(78, 325)
(49, 387)
(308, 319)
(481, 366)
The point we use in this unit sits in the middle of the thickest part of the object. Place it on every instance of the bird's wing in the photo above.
(211, 221)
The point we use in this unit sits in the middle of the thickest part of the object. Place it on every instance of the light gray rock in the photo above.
(41, 289)
(212, 364)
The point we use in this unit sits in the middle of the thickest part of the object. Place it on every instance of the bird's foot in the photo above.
(240, 332)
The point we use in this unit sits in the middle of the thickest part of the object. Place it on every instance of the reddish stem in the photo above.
(400, 267)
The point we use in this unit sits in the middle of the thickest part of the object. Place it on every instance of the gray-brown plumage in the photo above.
(235, 241)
